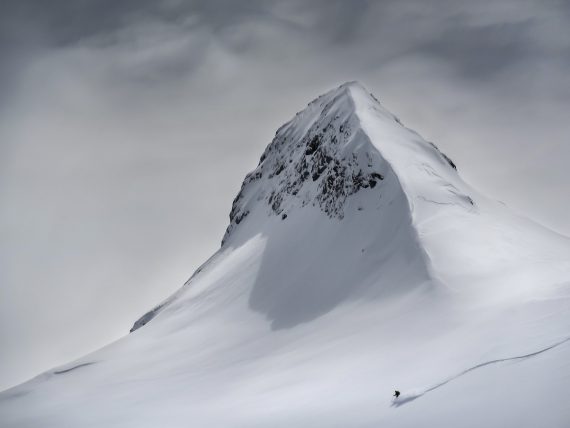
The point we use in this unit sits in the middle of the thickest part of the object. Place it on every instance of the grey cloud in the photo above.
(480, 52)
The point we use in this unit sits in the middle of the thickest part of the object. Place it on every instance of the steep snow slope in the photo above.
(356, 262)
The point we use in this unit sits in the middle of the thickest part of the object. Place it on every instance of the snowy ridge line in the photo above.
(404, 399)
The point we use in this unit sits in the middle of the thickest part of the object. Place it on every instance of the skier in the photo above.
(396, 393)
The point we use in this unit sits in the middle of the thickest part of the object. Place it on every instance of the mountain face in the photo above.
(356, 262)
(324, 155)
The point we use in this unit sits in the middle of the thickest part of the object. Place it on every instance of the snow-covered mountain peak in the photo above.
(342, 143)
(357, 262)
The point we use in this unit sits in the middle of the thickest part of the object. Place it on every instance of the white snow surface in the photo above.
(357, 262)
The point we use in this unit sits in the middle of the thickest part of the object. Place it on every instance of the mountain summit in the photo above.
(356, 262)
(342, 143)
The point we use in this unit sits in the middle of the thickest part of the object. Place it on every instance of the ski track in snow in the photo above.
(400, 401)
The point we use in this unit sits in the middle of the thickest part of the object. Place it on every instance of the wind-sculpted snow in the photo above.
(356, 262)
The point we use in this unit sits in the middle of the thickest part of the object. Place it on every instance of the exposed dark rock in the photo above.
(448, 160)
(241, 216)
(314, 168)
(313, 145)
(73, 368)
(146, 318)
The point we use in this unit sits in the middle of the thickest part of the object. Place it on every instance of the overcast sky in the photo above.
(126, 128)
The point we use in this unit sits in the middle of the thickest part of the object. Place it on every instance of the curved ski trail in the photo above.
(406, 398)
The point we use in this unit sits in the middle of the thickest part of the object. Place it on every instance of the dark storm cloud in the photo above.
(342, 20)
(64, 22)
(440, 29)
(126, 128)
